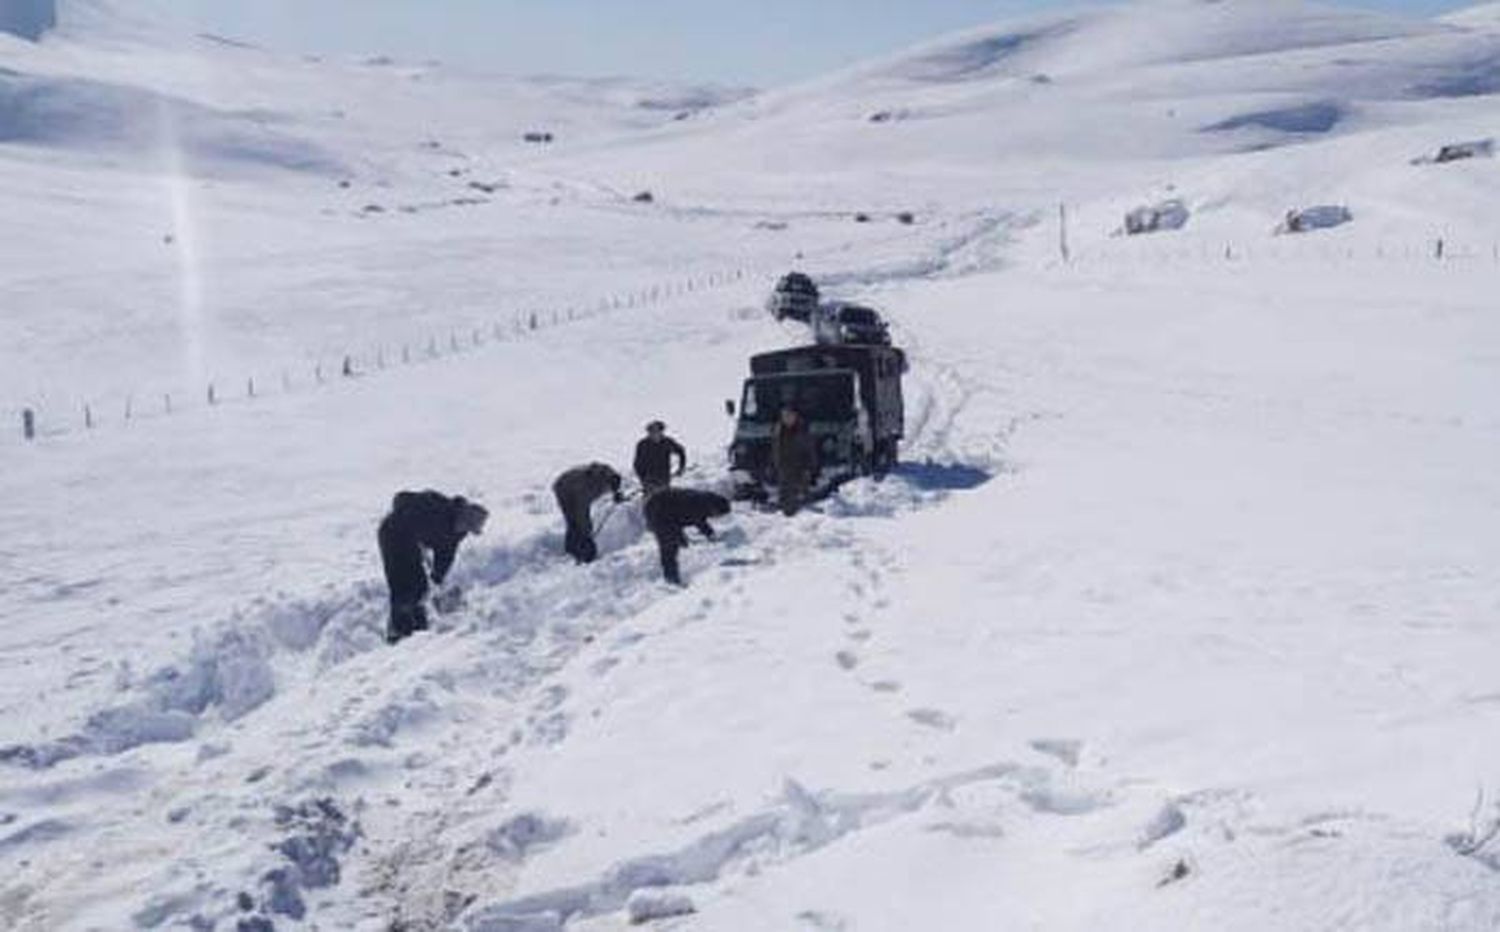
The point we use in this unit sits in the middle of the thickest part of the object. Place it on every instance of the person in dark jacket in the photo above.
(576, 491)
(670, 511)
(794, 456)
(653, 458)
(422, 521)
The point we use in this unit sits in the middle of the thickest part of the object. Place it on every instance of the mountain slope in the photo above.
(1178, 613)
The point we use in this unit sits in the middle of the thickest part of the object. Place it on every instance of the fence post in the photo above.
(348, 367)
(1438, 254)
(129, 406)
(166, 403)
(318, 373)
(88, 416)
(405, 353)
(28, 424)
(250, 387)
(533, 320)
(212, 399)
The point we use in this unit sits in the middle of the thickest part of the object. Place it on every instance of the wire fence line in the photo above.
(1306, 248)
(35, 421)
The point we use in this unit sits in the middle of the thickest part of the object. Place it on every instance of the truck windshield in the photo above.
(858, 315)
(819, 397)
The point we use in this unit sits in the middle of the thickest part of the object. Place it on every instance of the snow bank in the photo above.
(801, 823)
(228, 673)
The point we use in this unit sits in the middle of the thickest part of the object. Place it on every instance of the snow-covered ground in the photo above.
(1179, 613)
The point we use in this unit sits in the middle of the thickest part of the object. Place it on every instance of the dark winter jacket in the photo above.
(794, 454)
(653, 460)
(671, 510)
(577, 489)
(424, 520)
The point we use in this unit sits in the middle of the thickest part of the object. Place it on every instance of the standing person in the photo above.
(576, 491)
(670, 511)
(421, 521)
(795, 458)
(653, 458)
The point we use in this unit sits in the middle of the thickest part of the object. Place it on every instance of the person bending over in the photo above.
(576, 491)
(670, 511)
(421, 522)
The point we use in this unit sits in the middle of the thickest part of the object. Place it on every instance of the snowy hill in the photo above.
(1482, 16)
(1151, 80)
(1177, 614)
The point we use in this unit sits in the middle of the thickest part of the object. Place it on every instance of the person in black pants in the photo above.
(418, 522)
(576, 491)
(670, 511)
(653, 458)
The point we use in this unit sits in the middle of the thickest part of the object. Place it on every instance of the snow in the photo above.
(1177, 613)
(1479, 16)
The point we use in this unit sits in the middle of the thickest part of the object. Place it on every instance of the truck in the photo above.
(795, 297)
(850, 397)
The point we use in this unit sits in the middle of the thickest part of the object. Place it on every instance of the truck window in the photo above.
(819, 398)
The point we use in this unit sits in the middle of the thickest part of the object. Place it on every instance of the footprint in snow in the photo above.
(847, 660)
(933, 718)
(822, 921)
(1064, 749)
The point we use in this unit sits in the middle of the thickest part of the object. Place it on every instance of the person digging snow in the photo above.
(670, 512)
(653, 458)
(576, 491)
(418, 522)
(795, 459)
